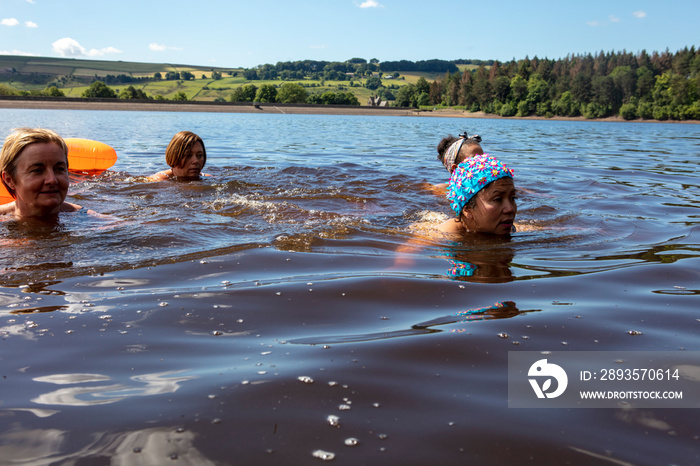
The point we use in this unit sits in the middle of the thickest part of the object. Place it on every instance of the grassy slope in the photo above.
(194, 89)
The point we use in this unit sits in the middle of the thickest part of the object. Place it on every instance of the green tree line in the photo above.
(661, 86)
(290, 93)
(316, 70)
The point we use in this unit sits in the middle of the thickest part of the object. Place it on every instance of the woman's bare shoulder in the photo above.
(70, 207)
(8, 208)
(161, 176)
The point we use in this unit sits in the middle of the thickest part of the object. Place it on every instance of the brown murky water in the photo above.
(261, 315)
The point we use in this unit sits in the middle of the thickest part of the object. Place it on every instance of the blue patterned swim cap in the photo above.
(471, 176)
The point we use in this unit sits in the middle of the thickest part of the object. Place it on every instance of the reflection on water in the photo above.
(502, 310)
(143, 447)
(155, 384)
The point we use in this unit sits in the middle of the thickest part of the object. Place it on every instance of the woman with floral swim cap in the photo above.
(482, 194)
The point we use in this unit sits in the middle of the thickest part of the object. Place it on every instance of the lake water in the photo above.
(264, 315)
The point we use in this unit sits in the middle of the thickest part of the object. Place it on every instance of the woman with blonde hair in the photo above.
(34, 170)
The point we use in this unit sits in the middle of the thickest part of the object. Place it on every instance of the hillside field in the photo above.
(73, 76)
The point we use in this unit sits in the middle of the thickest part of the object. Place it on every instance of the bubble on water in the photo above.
(564, 343)
(245, 382)
(305, 379)
(310, 284)
(334, 421)
(225, 282)
(376, 405)
(344, 407)
(216, 420)
(279, 293)
(634, 332)
(324, 455)
(211, 397)
(69, 332)
(217, 333)
(180, 430)
(332, 383)
(384, 318)
(163, 304)
(265, 353)
(326, 346)
(351, 442)
(503, 335)
(382, 436)
(105, 317)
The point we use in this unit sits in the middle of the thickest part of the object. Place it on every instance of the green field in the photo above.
(73, 76)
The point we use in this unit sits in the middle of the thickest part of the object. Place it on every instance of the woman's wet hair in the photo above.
(447, 141)
(180, 146)
(18, 140)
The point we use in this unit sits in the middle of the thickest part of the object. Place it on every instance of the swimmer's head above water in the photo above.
(482, 194)
(186, 155)
(34, 169)
(454, 150)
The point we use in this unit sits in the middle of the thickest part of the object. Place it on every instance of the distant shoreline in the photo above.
(7, 102)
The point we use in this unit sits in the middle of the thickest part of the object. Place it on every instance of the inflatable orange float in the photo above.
(85, 156)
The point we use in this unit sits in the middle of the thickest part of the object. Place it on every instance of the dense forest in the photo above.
(658, 86)
(343, 71)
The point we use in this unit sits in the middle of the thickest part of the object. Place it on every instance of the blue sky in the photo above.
(253, 32)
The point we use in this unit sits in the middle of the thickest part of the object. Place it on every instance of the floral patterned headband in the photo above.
(455, 147)
(471, 176)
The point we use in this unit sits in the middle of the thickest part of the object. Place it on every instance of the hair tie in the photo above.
(451, 154)
(455, 147)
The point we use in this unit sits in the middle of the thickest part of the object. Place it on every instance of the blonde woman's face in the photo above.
(41, 179)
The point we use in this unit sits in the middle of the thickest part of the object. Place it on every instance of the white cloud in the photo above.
(68, 47)
(370, 4)
(17, 52)
(639, 14)
(9, 22)
(593, 23)
(30, 24)
(161, 48)
(614, 19)
(31, 1)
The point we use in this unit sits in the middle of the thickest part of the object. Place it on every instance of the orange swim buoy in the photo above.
(85, 156)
